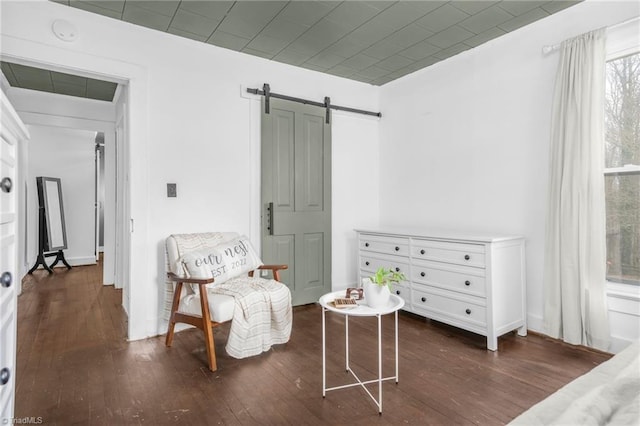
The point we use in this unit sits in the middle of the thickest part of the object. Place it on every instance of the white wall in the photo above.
(471, 136)
(355, 192)
(69, 156)
(195, 128)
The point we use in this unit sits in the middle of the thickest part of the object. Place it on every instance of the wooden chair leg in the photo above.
(174, 308)
(207, 329)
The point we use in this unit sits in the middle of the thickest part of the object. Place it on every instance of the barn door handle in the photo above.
(270, 218)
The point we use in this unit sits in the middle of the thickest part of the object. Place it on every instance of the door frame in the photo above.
(98, 222)
(135, 77)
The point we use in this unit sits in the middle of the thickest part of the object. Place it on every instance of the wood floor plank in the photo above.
(75, 366)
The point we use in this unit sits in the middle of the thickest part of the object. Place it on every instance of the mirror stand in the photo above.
(42, 255)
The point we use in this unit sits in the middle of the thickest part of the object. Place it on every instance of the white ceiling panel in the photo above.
(352, 14)
(144, 17)
(442, 18)
(194, 23)
(370, 41)
(524, 19)
(519, 7)
(486, 19)
(164, 7)
(452, 35)
(216, 10)
(229, 41)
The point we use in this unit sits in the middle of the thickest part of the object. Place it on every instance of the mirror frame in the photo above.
(47, 198)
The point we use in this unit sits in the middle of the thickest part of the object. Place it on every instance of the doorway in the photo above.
(66, 154)
(76, 122)
(142, 317)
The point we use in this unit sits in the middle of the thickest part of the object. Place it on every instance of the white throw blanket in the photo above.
(607, 395)
(262, 316)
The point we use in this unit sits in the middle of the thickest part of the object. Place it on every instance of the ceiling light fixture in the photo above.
(64, 30)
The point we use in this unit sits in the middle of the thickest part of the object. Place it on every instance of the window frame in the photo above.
(622, 40)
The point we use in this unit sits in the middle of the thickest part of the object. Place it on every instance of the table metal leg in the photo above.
(324, 354)
(379, 363)
(346, 342)
(396, 315)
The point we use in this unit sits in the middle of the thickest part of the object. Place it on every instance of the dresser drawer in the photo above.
(388, 245)
(403, 291)
(472, 312)
(443, 251)
(451, 277)
(371, 263)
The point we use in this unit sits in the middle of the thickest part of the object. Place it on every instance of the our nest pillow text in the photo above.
(222, 262)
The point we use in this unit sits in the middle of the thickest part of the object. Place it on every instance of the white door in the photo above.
(123, 218)
(12, 133)
(97, 203)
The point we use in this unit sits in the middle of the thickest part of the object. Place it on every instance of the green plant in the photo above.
(384, 276)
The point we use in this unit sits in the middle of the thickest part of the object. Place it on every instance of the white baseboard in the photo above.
(158, 328)
(81, 261)
(617, 344)
(535, 323)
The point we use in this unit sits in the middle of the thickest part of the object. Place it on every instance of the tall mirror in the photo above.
(54, 215)
(52, 232)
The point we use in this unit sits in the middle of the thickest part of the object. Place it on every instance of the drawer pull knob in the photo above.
(424, 299)
(6, 184)
(366, 244)
(397, 269)
(467, 257)
(398, 292)
(467, 282)
(366, 263)
(4, 376)
(468, 311)
(422, 274)
(422, 251)
(6, 279)
(397, 248)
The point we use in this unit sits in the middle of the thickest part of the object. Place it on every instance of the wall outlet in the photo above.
(172, 190)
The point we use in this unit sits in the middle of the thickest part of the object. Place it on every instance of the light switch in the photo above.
(172, 190)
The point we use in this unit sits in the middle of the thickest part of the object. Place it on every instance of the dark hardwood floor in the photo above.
(76, 367)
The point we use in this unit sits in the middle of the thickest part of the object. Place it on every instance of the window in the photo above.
(622, 169)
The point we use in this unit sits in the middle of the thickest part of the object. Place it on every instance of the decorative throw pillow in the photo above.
(222, 262)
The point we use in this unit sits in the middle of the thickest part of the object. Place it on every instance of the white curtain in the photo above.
(575, 248)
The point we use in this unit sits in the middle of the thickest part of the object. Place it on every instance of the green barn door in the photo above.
(296, 196)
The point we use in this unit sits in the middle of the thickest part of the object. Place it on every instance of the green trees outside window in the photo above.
(622, 169)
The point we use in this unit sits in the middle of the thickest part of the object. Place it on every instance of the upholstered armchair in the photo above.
(211, 276)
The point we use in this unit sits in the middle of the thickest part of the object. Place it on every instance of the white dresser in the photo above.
(472, 282)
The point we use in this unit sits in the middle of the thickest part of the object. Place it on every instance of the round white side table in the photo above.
(361, 310)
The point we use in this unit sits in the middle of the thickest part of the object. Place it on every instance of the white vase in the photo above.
(376, 296)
